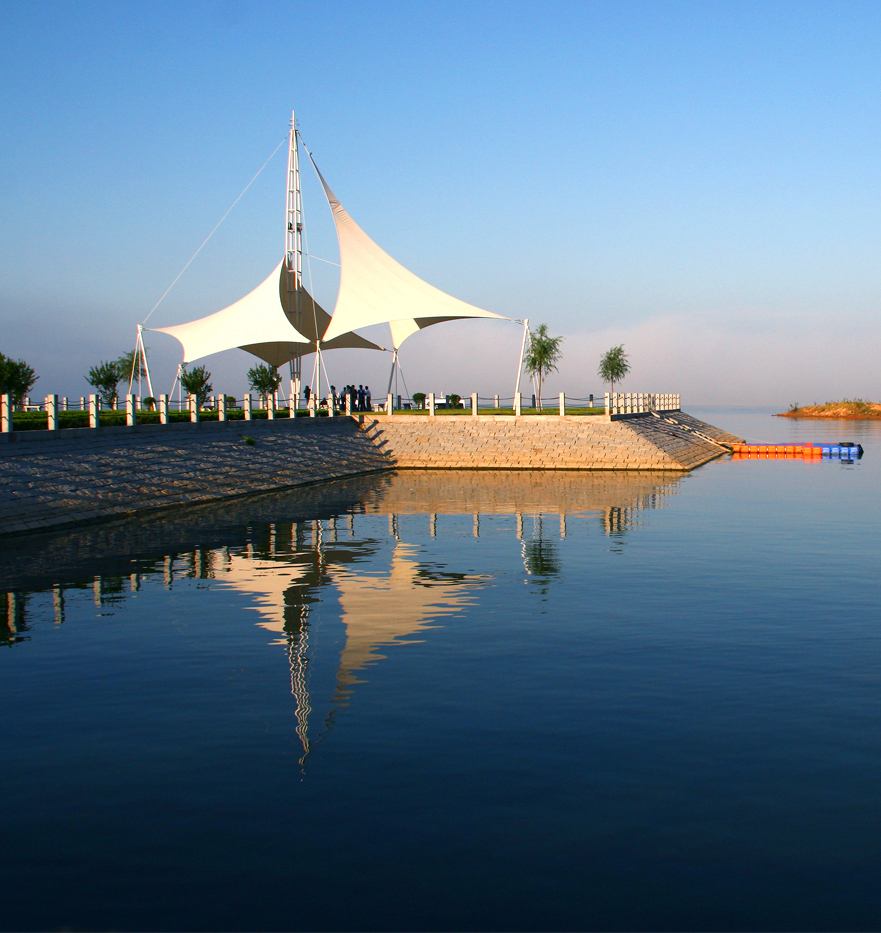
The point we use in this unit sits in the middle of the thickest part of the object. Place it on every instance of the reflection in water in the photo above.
(379, 585)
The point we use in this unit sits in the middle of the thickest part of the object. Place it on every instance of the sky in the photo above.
(696, 181)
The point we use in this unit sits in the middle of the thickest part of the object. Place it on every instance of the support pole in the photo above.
(520, 362)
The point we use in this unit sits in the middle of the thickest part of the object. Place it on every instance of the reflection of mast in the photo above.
(298, 646)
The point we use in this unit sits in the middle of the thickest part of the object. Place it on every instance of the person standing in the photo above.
(306, 394)
(368, 401)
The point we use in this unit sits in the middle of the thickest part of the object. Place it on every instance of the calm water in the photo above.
(457, 701)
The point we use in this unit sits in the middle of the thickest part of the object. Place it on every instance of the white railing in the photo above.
(224, 408)
(636, 403)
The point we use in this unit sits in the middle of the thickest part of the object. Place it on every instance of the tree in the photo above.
(419, 399)
(265, 380)
(195, 382)
(105, 377)
(614, 366)
(131, 365)
(16, 378)
(542, 355)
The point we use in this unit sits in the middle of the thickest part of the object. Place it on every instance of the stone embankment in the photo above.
(550, 442)
(51, 480)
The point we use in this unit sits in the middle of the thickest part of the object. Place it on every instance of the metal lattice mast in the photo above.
(294, 244)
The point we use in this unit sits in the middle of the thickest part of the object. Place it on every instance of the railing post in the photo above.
(247, 407)
(348, 402)
(270, 407)
(82, 403)
(130, 410)
(518, 404)
(52, 412)
(431, 405)
(162, 405)
(292, 406)
(562, 404)
(5, 414)
(94, 412)
(221, 408)
(389, 404)
(496, 401)
(194, 410)
(473, 404)
(313, 402)
(64, 403)
(608, 410)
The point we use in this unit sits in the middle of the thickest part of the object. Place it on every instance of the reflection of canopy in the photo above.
(266, 319)
(383, 610)
(375, 289)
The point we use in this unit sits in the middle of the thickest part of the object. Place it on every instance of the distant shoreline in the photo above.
(857, 410)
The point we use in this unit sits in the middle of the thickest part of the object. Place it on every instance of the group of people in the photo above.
(359, 399)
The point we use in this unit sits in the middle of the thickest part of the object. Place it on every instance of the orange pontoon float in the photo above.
(843, 450)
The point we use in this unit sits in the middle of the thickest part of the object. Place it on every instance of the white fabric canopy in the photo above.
(375, 289)
(258, 318)
(265, 319)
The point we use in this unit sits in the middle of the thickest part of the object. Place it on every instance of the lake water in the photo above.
(457, 701)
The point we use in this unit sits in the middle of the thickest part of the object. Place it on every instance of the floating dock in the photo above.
(843, 450)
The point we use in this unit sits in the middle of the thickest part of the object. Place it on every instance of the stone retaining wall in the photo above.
(549, 442)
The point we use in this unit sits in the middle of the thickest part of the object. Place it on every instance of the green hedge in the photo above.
(38, 420)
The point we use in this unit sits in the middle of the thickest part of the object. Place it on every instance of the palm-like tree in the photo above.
(265, 380)
(614, 366)
(542, 355)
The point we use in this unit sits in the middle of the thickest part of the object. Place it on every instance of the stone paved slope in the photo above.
(79, 476)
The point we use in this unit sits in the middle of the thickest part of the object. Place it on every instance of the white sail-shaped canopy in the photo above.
(375, 289)
(256, 318)
(263, 324)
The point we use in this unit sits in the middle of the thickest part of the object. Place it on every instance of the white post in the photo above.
(94, 412)
(313, 402)
(270, 407)
(292, 403)
(82, 403)
(5, 414)
(52, 412)
(348, 402)
(64, 403)
(473, 404)
(518, 404)
(247, 407)
(130, 410)
(221, 408)
(431, 404)
(389, 404)
(520, 361)
(496, 400)
(607, 404)
(194, 409)
(562, 404)
(163, 409)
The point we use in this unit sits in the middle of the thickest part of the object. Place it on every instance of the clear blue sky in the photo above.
(699, 181)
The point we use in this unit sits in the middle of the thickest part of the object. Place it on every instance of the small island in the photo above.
(846, 410)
